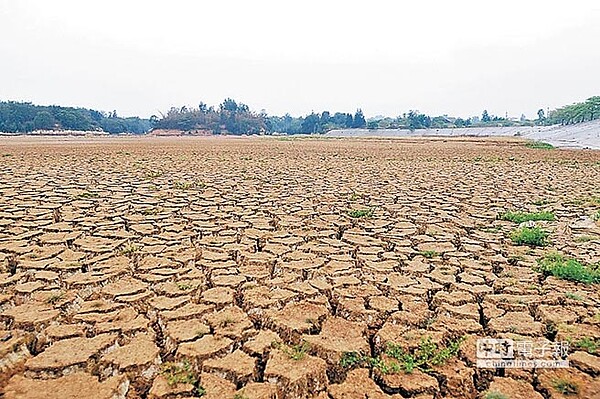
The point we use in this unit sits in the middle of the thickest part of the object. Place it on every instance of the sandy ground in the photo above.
(289, 268)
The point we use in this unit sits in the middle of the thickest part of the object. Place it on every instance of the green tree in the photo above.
(485, 117)
(593, 105)
(541, 115)
(359, 119)
(44, 120)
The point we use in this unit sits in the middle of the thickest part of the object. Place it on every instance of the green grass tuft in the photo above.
(532, 236)
(429, 254)
(351, 359)
(573, 296)
(520, 217)
(556, 265)
(590, 345)
(566, 387)
(585, 238)
(361, 213)
(539, 145)
(495, 395)
(130, 249)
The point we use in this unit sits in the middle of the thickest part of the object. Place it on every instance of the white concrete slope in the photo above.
(581, 135)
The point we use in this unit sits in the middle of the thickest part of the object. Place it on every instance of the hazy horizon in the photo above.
(141, 58)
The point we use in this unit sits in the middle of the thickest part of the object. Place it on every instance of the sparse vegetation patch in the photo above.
(427, 355)
(539, 145)
(429, 254)
(532, 236)
(181, 373)
(566, 387)
(520, 217)
(555, 264)
(361, 213)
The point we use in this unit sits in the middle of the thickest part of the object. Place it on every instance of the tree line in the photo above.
(24, 117)
(588, 110)
(231, 117)
(237, 118)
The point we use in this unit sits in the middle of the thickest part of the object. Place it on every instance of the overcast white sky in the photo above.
(440, 57)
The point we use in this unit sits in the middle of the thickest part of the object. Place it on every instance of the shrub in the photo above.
(532, 236)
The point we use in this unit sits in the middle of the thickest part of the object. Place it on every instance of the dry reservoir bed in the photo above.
(294, 268)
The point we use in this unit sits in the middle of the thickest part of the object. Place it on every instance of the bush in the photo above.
(568, 269)
(532, 236)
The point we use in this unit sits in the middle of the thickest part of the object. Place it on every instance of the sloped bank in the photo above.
(581, 135)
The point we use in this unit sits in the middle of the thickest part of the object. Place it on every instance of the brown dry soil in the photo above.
(178, 267)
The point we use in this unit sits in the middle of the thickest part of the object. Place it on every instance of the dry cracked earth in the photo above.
(240, 269)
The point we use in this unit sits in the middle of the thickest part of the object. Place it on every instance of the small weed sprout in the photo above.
(541, 202)
(294, 352)
(361, 213)
(188, 185)
(574, 296)
(495, 395)
(55, 298)
(86, 194)
(429, 254)
(181, 373)
(585, 238)
(130, 249)
(200, 334)
(227, 322)
(352, 359)
(184, 286)
(588, 344)
(565, 387)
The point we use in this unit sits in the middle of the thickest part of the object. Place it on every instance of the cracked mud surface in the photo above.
(171, 268)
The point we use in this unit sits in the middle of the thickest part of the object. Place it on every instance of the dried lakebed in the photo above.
(266, 268)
